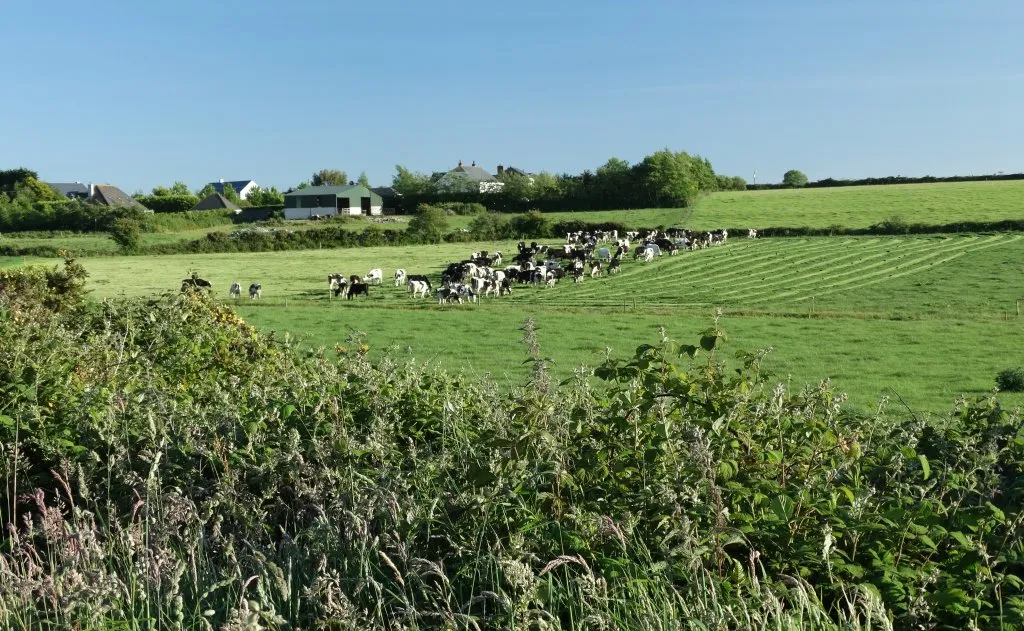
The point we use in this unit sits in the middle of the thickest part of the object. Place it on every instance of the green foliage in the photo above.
(168, 202)
(531, 224)
(363, 180)
(490, 226)
(230, 193)
(210, 475)
(127, 233)
(735, 183)
(178, 188)
(1011, 380)
(406, 182)
(10, 179)
(259, 197)
(794, 179)
(206, 191)
(429, 224)
(330, 177)
(26, 293)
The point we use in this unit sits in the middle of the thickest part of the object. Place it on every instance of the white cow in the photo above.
(235, 291)
(751, 234)
(399, 277)
(376, 274)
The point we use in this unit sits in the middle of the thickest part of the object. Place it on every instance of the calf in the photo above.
(235, 291)
(255, 291)
(595, 269)
(399, 277)
(375, 276)
(613, 267)
(751, 234)
(449, 295)
(333, 280)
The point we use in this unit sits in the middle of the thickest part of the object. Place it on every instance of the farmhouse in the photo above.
(217, 201)
(242, 187)
(331, 200)
(109, 195)
(468, 178)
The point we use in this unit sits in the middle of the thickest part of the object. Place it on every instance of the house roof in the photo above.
(215, 202)
(473, 173)
(238, 185)
(110, 195)
(344, 191)
(519, 172)
(69, 189)
(385, 191)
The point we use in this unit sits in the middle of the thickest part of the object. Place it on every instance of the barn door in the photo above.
(342, 205)
(364, 205)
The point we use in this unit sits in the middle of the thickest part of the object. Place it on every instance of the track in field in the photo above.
(770, 271)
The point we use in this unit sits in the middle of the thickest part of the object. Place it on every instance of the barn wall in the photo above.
(306, 213)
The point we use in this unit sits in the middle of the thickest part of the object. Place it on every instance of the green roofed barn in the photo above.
(331, 200)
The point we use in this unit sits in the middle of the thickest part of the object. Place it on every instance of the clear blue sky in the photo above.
(141, 94)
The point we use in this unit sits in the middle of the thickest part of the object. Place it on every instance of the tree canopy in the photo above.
(794, 179)
(330, 177)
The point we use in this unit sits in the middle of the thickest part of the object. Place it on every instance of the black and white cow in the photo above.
(194, 283)
(375, 276)
(399, 277)
(255, 291)
(235, 291)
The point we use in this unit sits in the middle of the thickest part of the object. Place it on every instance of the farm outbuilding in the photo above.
(331, 200)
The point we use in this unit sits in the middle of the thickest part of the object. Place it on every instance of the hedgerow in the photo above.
(165, 465)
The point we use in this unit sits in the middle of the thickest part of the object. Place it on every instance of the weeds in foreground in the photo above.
(166, 466)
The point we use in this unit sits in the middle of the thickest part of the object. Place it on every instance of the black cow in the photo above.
(194, 283)
(358, 288)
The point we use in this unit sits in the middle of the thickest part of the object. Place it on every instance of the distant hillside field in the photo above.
(862, 206)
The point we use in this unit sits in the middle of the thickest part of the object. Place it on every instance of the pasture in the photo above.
(924, 318)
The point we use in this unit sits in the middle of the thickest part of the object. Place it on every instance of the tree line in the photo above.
(662, 179)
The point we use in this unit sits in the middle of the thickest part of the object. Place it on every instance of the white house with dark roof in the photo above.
(242, 187)
(463, 178)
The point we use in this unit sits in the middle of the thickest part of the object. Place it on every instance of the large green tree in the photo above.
(794, 179)
(230, 193)
(406, 182)
(330, 177)
(363, 180)
(206, 191)
(429, 224)
(178, 188)
(669, 179)
(265, 197)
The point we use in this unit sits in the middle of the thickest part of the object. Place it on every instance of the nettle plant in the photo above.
(165, 465)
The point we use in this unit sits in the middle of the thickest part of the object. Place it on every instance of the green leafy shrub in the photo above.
(168, 203)
(126, 233)
(194, 473)
(531, 224)
(1011, 380)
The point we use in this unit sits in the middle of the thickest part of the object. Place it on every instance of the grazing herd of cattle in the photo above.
(583, 254)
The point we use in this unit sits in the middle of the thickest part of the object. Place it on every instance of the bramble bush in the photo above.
(1011, 380)
(165, 465)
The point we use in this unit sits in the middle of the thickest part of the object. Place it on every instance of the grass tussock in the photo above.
(165, 465)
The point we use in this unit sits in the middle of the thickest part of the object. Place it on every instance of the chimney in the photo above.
(474, 163)
(92, 190)
(460, 162)
(501, 170)
(221, 180)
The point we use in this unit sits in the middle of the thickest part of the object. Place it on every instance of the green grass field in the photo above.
(927, 318)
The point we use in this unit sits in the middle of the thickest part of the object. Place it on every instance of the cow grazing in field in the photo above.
(194, 283)
(419, 288)
(358, 288)
(449, 295)
(496, 260)
(751, 234)
(399, 277)
(335, 279)
(235, 291)
(255, 291)
(595, 269)
(613, 267)
(375, 276)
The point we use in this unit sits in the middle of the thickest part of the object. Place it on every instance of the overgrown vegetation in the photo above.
(166, 466)
(1011, 380)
